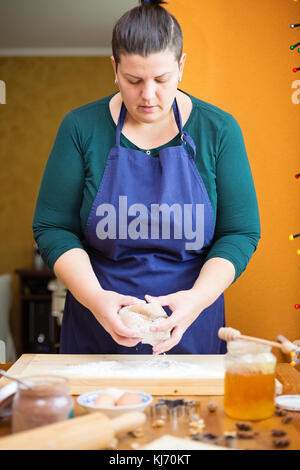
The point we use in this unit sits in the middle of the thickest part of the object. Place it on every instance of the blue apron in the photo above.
(148, 232)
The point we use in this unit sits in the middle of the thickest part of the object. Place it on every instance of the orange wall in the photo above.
(238, 59)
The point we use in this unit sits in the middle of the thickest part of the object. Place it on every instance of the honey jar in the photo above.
(249, 392)
(47, 401)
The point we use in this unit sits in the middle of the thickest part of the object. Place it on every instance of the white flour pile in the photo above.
(156, 367)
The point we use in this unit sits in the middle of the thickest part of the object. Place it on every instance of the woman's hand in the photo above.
(105, 308)
(186, 307)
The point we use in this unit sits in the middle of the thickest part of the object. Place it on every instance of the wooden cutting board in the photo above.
(206, 372)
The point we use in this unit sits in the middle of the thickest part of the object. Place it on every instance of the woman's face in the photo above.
(148, 84)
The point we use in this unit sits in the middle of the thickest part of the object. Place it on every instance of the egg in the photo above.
(129, 398)
(114, 392)
(105, 399)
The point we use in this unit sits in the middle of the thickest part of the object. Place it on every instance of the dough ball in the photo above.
(140, 317)
(151, 310)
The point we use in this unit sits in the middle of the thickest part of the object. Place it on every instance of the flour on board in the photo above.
(159, 366)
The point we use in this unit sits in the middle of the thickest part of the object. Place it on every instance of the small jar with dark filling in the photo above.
(46, 402)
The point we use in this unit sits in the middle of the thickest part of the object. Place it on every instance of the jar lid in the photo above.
(288, 402)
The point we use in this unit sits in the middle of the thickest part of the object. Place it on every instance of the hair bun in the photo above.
(153, 2)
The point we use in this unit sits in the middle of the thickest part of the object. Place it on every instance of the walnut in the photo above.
(281, 442)
(158, 423)
(245, 434)
(278, 432)
(212, 406)
(134, 445)
(286, 419)
(113, 444)
(244, 426)
(138, 432)
(196, 424)
(280, 412)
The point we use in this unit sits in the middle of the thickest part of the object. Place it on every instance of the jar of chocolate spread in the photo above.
(47, 401)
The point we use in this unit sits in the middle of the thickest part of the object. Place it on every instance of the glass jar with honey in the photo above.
(249, 381)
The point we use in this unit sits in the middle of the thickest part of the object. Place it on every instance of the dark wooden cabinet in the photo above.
(39, 328)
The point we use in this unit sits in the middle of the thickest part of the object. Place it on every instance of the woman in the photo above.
(147, 195)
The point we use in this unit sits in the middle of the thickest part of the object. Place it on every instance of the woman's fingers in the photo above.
(124, 341)
(168, 344)
(120, 329)
(165, 324)
(108, 316)
(163, 300)
(129, 300)
(169, 323)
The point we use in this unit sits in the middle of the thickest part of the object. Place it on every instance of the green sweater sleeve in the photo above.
(56, 224)
(237, 229)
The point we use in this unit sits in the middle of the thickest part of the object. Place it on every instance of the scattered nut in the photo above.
(283, 442)
(193, 432)
(245, 434)
(210, 436)
(196, 436)
(204, 437)
(280, 412)
(278, 432)
(138, 432)
(158, 423)
(286, 419)
(195, 417)
(113, 444)
(229, 434)
(134, 445)
(196, 424)
(244, 426)
(212, 406)
(196, 432)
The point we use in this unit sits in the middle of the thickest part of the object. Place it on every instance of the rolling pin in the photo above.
(92, 431)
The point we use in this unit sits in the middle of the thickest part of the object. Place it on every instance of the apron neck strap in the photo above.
(120, 124)
(177, 116)
(184, 137)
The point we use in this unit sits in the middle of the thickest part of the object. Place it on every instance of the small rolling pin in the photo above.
(92, 431)
(230, 334)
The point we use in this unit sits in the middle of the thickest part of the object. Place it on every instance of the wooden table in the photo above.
(215, 422)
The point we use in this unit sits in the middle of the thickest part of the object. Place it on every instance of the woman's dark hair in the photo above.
(145, 29)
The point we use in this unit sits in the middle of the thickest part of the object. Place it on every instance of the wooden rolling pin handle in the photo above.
(92, 431)
(121, 424)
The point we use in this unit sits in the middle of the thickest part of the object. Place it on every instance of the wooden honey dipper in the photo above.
(286, 346)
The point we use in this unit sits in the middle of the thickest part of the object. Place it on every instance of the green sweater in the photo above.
(76, 164)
